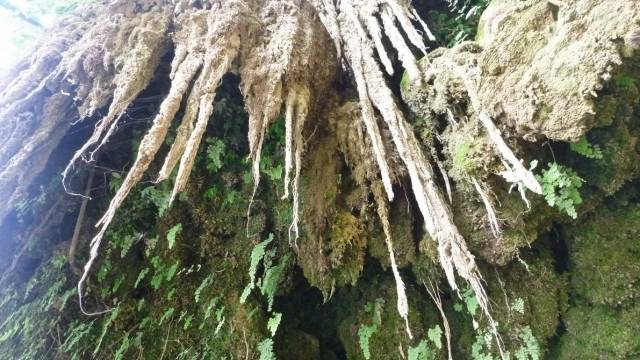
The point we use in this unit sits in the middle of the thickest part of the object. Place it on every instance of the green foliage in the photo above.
(167, 315)
(162, 272)
(141, 276)
(459, 23)
(366, 331)
(127, 243)
(560, 187)
(75, 337)
(435, 335)
(470, 302)
(265, 347)
(257, 255)
(461, 156)
(421, 352)
(206, 282)
(172, 233)
(272, 277)
(480, 347)
(215, 154)
(518, 305)
(274, 323)
(584, 148)
(158, 195)
(530, 348)
(31, 311)
(624, 81)
(364, 334)
(105, 327)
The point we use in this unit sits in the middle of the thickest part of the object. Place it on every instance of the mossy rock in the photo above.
(373, 305)
(600, 332)
(529, 294)
(604, 251)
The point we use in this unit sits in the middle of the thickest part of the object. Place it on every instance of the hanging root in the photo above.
(383, 214)
(223, 40)
(148, 38)
(298, 144)
(355, 147)
(282, 61)
(453, 253)
(491, 214)
(434, 293)
(148, 148)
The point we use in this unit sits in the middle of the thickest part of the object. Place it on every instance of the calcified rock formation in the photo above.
(284, 58)
(287, 54)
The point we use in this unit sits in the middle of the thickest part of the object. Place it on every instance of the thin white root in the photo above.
(452, 250)
(445, 176)
(368, 116)
(148, 148)
(298, 143)
(402, 304)
(288, 149)
(182, 133)
(402, 14)
(216, 65)
(406, 57)
(376, 34)
(434, 293)
(491, 214)
(516, 172)
(424, 25)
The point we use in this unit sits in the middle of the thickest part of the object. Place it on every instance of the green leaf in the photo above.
(141, 276)
(215, 153)
(271, 280)
(265, 347)
(435, 335)
(105, 326)
(203, 285)
(167, 314)
(518, 305)
(584, 148)
(273, 323)
(470, 300)
(364, 335)
(421, 352)
(257, 254)
(172, 233)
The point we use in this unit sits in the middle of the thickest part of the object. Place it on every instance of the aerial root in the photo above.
(148, 148)
(452, 250)
(434, 293)
(404, 53)
(213, 77)
(375, 31)
(383, 214)
(491, 214)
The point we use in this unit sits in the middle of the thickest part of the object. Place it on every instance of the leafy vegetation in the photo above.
(584, 148)
(560, 187)
(366, 331)
(459, 23)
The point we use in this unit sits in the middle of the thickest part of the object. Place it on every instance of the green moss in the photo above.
(461, 156)
(604, 262)
(404, 244)
(600, 332)
(532, 297)
(347, 244)
(358, 310)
